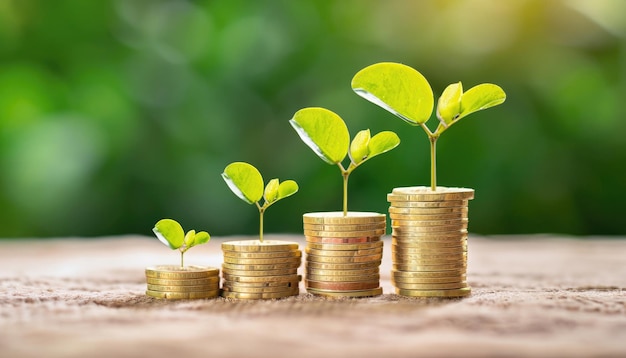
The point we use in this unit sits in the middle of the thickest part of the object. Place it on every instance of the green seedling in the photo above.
(247, 183)
(327, 134)
(404, 92)
(170, 233)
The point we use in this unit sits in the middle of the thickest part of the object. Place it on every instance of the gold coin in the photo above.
(185, 282)
(174, 272)
(430, 286)
(347, 227)
(263, 255)
(348, 266)
(428, 243)
(360, 278)
(409, 230)
(337, 217)
(244, 289)
(341, 240)
(422, 193)
(322, 272)
(342, 286)
(258, 246)
(262, 279)
(425, 258)
(260, 296)
(427, 274)
(423, 223)
(347, 247)
(437, 268)
(427, 217)
(462, 292)
(377, 232)
(400, 202)
(416, 210)
(344, 259)
(253, 273)
(438, 280)
(201, 288)
(347, 253)
(291, 283)
(183, 295)
(261, 267)
(433, 235)
(331, 293)
(276, 261)
(406, 250)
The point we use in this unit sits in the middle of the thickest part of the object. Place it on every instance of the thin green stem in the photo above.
(261, 224)
(345, 176)
(182, 261)
(433, 162)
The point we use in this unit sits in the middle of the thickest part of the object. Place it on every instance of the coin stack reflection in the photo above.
(176, 282)
(260, 270)
(429, 241)
(343, 253)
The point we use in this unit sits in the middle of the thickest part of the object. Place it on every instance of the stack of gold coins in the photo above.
(260, 270)
(429, 241)
(176, 282)
(344, 253)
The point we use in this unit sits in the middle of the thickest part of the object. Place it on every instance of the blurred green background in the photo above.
(115, 114)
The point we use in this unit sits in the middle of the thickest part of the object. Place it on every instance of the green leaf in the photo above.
(449, 104)
(359, 149)
(287, 188)
(201, 238)
(382, 143)
(245, 181)
(481, 97)
(324, 132)
(190, 237)
(271, 191)
(170, 233)
(398, 89)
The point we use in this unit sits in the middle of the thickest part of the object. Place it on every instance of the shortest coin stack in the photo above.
(260, 270)
(176, 282)
(344, 253)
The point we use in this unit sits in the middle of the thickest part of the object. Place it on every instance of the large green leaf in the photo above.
(397, 88)
(359, 148)
(287, 188)
(170, 233)
(449, 104)
(382, 142)
(324, 132)
(245, 181)
(481, 97)
(271, 191)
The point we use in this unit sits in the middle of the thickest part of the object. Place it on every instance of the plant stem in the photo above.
(261, 211)
(345, 175)
(433, 162)
(182, 262)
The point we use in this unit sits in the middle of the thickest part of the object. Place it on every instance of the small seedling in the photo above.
(405, 92)
(327, 134)
(247, 183)
(170, 233)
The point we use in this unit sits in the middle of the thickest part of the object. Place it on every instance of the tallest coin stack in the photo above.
(429, 241)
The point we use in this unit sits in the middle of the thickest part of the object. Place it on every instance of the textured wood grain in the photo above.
(532, 296)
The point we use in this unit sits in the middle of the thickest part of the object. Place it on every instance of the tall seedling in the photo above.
(404, 92)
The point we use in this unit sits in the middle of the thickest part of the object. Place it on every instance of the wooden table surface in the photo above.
(531, 296)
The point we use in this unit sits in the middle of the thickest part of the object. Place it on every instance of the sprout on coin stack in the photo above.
(259, 269)
(344, 249)
(181, 282)
(429, 224)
